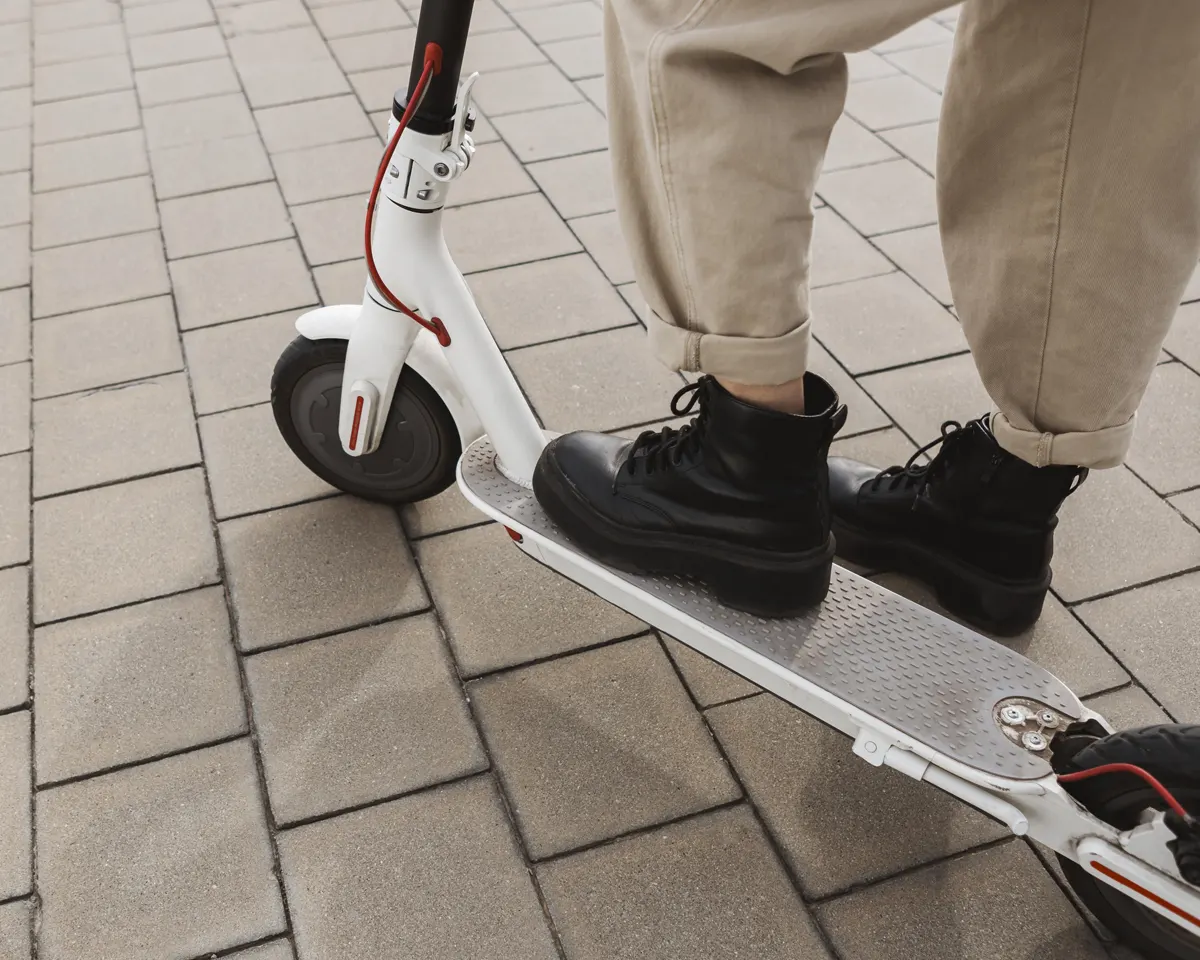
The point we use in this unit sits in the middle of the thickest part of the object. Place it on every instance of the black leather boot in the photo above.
(738, 498)
(976, 524)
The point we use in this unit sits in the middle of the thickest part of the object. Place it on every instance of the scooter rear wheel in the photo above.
(420, 447)
(1172, 754)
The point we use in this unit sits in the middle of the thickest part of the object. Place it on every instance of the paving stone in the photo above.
(97, 348)
(579, 185)
(14, 325)
(930, 64)
(14, 408)
(919, 254)
(177, 46)
(560, 21)
(1013, 901)
(16, 108)
(93, 212)
(81, 78)
(16, 71)
(166, 859)
(918, 143)
(379, 48)
(432, 875)
(547, 300)
(82, 43)
(892, 102)
(1056, 642)
(814, 795)
(1128, 708)
(122, 543)
(501, 233)
(14, 630)
(709, 682)
(286, 67)
(230, 364)
(556, 132)
(329, 170)
(502, 50)
(486, 18)
(601, 381)
(1184, 339)
(227, 218)
(580, 58)
(341, 282)
(882, 197)
(840, 254)
(210, 118)
(883, 322)
(853, 145)
(316, 568)
(275, 950)
(166, 16)
(602, 237)
(449, 510)
(15, 926)
(312, 124)
(1152, 630)
(376, 89)
(494, 173)
(234, 284)
(113, 434)
(98, 273)
(250, 467)
(15, 147)
(14, 521)
(923, 396)
(595, 90)
(211, 165)
(523, 88)
(262, 17)
(360, 716)
(497, 606)
(16, 834)
(14, 198)
(186, 81)
(709, 887)
(112, 156)
(1170, 410)
(1188, 504)
(85, 117)
(923, 33)
(80, 13)
(14, 256)
(135, 683)
(597, 744)
(332, 230)
(867, 65)
(863, 413)
(1113, 533)
(363, 16)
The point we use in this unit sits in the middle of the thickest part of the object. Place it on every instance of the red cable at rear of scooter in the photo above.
(433, 65)
(1137, 771)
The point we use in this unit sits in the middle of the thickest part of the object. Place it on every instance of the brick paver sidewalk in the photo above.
(242, 716)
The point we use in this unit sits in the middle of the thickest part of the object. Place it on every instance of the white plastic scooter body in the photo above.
(472, 378)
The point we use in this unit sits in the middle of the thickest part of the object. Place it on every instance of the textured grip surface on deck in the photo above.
(928, 677)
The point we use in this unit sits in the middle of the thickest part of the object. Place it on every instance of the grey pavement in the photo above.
(244, 716)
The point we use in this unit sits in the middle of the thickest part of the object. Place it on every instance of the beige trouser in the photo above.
(1068, 189)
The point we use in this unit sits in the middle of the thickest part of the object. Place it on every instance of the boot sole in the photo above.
(1003, 607)
(761, 582)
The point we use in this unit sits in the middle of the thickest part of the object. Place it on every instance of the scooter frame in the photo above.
(463, 363)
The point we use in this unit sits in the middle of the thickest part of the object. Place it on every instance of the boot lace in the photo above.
(665, 448)
(915, 474)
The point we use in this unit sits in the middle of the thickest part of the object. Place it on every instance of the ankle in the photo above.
(784, 397)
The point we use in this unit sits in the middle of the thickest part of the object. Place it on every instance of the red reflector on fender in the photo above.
(517, 538)
(358, 405)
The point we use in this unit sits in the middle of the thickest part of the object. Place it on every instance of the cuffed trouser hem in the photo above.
(762, 361)
(1096, 448)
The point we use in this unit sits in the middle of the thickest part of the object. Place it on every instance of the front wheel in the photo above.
(1171, 753)
(420, 447)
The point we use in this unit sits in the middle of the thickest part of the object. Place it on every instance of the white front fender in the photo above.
(335, 323)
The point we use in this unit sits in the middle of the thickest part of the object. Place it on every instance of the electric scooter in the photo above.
(395, 398)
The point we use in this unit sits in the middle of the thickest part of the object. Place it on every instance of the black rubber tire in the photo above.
(420, 448)
(1171, 752)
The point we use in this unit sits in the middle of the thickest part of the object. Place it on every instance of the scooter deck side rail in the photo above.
(926, 676)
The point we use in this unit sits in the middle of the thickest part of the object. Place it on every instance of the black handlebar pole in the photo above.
(444, 22)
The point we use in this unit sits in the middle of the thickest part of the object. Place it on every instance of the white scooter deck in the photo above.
(863, 652)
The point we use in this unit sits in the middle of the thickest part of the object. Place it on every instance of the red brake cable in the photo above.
(432, 66)
(1137, 771)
